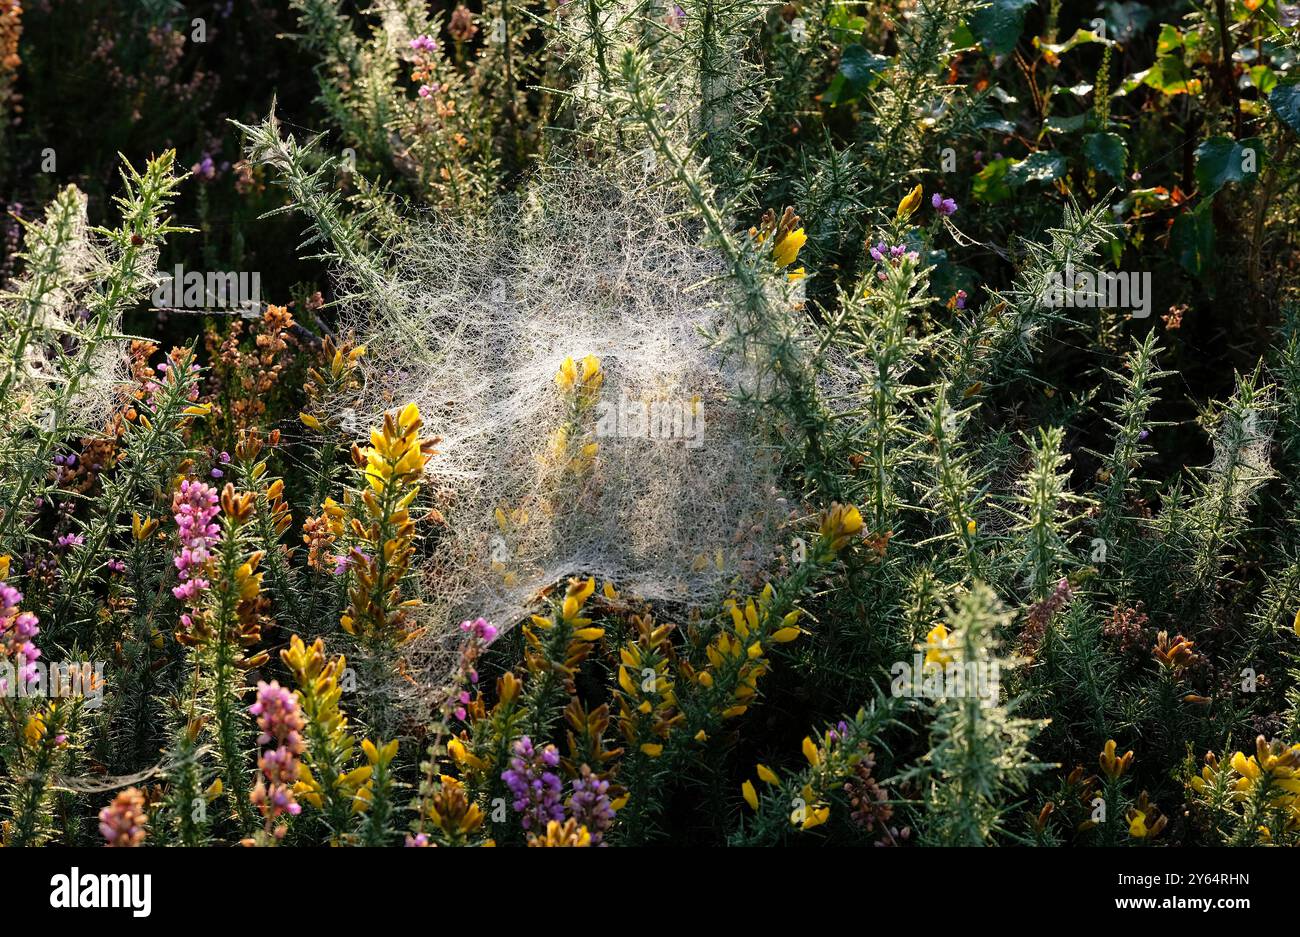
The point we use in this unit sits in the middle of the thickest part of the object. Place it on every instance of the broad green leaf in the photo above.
(1066, 124)
(1106, 152)
(998, 25)
(1285, 101)
(1171, 76)
(1221, 160)
(858, 69)
(1044, 166)
(1170, 39)
(990, 183)
(1192, 239)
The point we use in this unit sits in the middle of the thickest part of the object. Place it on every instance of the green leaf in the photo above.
(1263, 78)
(1192, 239)
(1285, 101)
(1044, 166)
(1171, 76)
(1080, 37)
(1106, 152)
(1170, 39)
(1221, 160)
(1066, 124)
(990, 185)
(998, 25)
(858, 69)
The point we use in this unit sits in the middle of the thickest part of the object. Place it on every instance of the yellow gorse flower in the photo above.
(785, 236)
(939, 646)
(396, 450)
(1114, 767)
(787, 248)
(569, 833)
(839, 525)
(322, 774)
(452, 810)
(910, 203)
(1273, 772)
(583, 379)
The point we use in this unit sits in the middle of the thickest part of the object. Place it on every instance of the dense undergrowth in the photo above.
(726, 423)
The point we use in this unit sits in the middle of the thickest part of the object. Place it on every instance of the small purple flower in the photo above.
(424, 43)
(216, 473)
(1142, 436)
(116, 566)
(480, 628)
(195, 508)
(537, 789)
(205, 168)
(944, 206)
(68, 541)
(590, 805)
(17, 629)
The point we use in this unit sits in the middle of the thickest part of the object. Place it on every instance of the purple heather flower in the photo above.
(944, 206)
(419, 840)
(122, 822)
(589, 804)
(68, 541)
(281, 725)
(1142, 436)
(17, 629)
(480, 628)
(537, 790)
(195, 508)
(424, 43)
(216, 473)
(116, 566)
(205, 168)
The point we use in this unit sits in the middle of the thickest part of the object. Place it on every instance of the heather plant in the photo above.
(711, 423)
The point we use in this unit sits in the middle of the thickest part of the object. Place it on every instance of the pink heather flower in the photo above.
(67, 541)
(424, 43)
(121, 823)
(418, 841)
(944, 206)
(195, 508)
(481, 629)
(17, 629)
(277, 715)
(281, 725)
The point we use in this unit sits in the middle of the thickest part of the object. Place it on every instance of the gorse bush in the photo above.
(721, 423)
